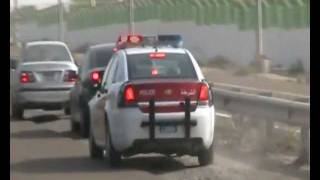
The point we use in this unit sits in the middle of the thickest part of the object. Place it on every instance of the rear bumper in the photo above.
(43, 99)
(129, 126)
(180, 146)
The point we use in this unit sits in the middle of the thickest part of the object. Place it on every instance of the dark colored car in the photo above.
(90, 74)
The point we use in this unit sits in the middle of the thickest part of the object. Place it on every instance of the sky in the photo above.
(38, 3)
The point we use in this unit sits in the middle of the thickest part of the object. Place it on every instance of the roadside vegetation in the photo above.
(220, 62)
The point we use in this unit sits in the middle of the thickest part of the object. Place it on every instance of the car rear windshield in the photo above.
(173, 65)
(100, 58)
(37, 53)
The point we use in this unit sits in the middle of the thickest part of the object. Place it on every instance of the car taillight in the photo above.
(204, 95)
(70, 76)
(95, 77)
(129, 96)
(26, 77)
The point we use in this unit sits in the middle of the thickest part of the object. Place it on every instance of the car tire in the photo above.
(67, 111)
(17, 112)
(74, 127)
(206, 157)
(84, 124)
(95, 151)
(113, 157)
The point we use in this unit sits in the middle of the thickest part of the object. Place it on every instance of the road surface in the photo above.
(42, 147)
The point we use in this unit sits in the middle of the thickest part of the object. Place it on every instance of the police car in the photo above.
(152, 99)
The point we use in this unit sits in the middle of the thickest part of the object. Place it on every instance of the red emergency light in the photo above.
(129, 40)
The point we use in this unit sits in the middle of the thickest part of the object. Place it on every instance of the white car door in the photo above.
(111, 107)
(97, 105)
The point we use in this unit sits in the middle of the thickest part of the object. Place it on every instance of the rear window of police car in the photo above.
(173, 65)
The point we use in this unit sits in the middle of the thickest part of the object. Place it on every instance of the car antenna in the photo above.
(156, 46)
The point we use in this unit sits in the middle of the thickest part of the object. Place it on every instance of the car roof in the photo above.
(142, 50)
(45, 43)
(101, 46)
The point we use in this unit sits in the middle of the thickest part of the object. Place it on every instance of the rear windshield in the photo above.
(46, 53)
(100, 58)
(172, 66)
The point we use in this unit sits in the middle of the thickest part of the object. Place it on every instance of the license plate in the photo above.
(168, 129)
(50, 76)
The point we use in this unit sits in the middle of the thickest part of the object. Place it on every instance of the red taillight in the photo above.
(204, 93)
(95, 76)
(70, 76)
(129, 96)
(26, 77)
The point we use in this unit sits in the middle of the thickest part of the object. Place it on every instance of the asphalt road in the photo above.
(42, 147)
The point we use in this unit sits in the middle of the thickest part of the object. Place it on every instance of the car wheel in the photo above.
(95, 151)
(84, 124)
(74, 127)
(67, 111)
(17, 112)
(206, 157)
(113, 157)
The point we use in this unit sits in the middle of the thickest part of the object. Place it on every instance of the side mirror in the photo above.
(97, 86)
(13, 64)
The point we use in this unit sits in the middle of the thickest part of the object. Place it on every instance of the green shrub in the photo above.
(245, 71)
(219, 61)
(296, 68)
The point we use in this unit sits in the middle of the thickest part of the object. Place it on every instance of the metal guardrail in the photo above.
(268, 93)
(276, 109)
(270, 109)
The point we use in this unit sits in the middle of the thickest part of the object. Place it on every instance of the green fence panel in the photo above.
(210, 10)
(307, 12)
(202, 12)
(236, 15)
(227, 15)
(287, 16)
(200, 18)
(279, 20)
(266, 16)
(219, 13)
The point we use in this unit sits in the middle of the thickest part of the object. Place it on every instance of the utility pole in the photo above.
(14, 24)
(259, 50)
(262, 62)
(93, 3)
(61, 21)
(131, 17)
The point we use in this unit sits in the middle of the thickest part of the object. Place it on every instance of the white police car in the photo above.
(152, 100)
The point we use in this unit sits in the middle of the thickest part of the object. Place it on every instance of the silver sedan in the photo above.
(44, 77)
